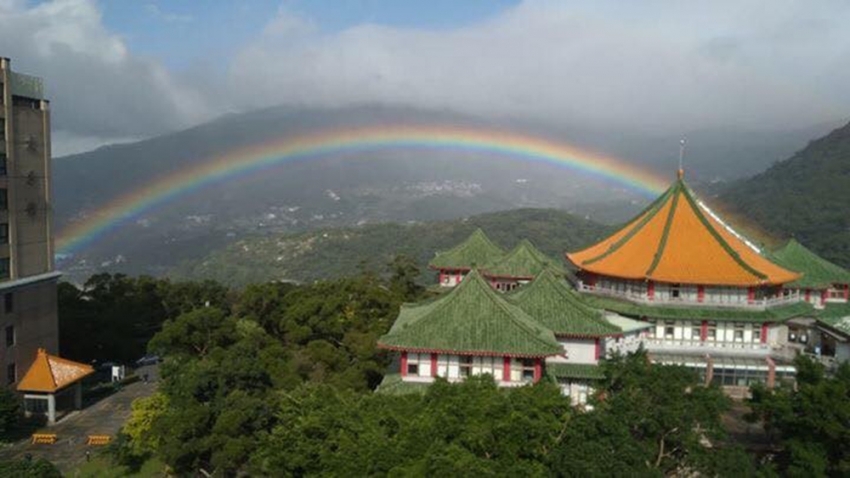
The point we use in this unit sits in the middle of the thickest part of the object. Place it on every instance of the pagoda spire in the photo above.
(681, 172)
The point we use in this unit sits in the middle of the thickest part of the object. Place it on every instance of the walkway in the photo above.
(102, 418)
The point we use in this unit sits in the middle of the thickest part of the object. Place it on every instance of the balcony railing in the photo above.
(708, 346)
(642, 298)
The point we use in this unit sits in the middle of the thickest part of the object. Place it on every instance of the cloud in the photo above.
(656, 66)
(157, 12)
(98, 89)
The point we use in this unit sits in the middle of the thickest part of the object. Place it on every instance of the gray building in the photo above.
(28, 319)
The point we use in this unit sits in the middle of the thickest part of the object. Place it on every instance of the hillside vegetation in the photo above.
(806, 196)
(345, 251)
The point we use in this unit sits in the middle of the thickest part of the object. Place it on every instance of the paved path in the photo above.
(102, 418)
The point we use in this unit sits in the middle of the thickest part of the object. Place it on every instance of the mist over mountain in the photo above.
(365, 186)
(806, 196)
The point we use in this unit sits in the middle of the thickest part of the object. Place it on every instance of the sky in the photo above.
(119, 70)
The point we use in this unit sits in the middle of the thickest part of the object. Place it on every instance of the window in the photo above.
(10, 335)
(527, 370)
(696, 333)
(2, 164)
(675, 292)
(669, 329)
(11, 374)
(4, 268)
(739, 333)
(465, 365)
(4, 233)
(9, 303)
(413, 363)
(4, 200)
(756, 334)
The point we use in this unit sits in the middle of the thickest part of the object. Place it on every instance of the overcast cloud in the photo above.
(654, 66)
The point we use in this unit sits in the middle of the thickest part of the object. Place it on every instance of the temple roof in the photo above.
(523, 262)
(818, 273)
(677, 239)
(472, 319)
(476, 250)
(551, 302)
(49, 373)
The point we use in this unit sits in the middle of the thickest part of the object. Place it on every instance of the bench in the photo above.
(44, 438)
(98, 440)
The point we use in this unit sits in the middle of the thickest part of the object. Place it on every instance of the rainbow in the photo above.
(259, 157)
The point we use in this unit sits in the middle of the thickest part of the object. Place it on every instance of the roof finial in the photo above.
(681, 171)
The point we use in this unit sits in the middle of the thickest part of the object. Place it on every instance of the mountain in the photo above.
(356, 186)
(806, 197)
(345, 251)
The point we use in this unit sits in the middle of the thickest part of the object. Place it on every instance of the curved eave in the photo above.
(502, 276)
(449, 268)
(488, 353)
(587, 336)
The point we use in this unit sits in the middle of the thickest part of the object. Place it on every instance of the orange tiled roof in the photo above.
(49, 373)
(676, 239)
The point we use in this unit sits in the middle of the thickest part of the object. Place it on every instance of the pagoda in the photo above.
(715, 301)
(48, 380)
(455, 263)
(519, 266)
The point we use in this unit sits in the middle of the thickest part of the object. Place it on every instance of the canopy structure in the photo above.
(476, 250)
(50, 376)
(553, 304)
(677, 239)
(523, 262)
(818, 273)
(472, 319)
(49, 373)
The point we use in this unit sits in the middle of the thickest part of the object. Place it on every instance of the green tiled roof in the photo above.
(524, 261)
(835, 311)
(818, 273)
(476, 250)
(554, 305)
(392, 384)
(471, 319)
(773, 314)
(626, 324)
(574, 370)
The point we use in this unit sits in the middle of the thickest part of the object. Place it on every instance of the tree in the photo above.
(812, 422)
(10, 412)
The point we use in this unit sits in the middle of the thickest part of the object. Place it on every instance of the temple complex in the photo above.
(676, 280)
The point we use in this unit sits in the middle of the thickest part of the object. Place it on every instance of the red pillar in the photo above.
(846, 292)
(591, 280)
(650, 290)
(751, 295)
(597, 349)
(771, 373)
(703, 331)
(700, 293)
(442, 276)
(433, 365)
(808, 295)
(404, 364)
(764, 333)
(506, 369)
(823, 297)
(538, 370)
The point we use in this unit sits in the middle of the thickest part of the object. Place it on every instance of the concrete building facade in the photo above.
(28, 319)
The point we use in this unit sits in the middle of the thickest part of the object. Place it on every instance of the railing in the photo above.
(683, 344)
(642, 298)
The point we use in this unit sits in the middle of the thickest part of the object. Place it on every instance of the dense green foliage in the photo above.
(812, 421)
(29, 469)
(113, 317)
(10, 412)
(805, 197)
(344, 252)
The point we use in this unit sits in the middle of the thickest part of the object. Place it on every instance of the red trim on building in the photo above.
(597, 349)
(650, 290)
(480, 353)
(703, 331)
(823, 296)
(700, 293)
(751, 294)
(403, 364)
(764, 333)
(538, 370)
(506, 369)
(808, 295)
(433, 365)
(442, 276)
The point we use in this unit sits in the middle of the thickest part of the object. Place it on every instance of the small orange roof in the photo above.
(677, 239)
(49, 373)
